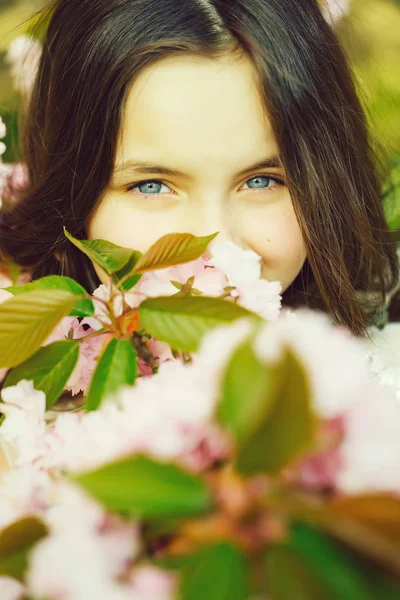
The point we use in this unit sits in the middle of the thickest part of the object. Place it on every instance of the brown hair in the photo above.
(93, 50)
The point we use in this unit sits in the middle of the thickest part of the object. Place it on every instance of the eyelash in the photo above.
(145, 196)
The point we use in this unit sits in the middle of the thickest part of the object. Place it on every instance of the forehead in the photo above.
(196, 113)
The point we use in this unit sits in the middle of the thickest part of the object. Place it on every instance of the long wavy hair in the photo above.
(94, 50)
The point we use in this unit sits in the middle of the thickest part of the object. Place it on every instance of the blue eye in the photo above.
(153, 187)
(260, 181)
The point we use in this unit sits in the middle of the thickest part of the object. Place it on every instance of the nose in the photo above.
(214, 216)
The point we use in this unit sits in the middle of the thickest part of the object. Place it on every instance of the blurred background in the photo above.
(368, 29)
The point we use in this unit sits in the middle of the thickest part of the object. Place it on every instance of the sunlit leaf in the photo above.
(288, 577)
(217, 572)
(369, 523)
(173, 249)
(83, 308)
(108, 256)
(145, 488)
(183, 321)
(49, 369)
(15, 542)
(116, 367)
(248, 392)
(330, 565)
(27, 320)
(121, 279)
(288, 427)
(391, 203)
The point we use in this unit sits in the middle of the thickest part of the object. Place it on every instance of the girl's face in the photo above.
(194, 134)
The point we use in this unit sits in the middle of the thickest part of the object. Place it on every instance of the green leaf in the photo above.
(128, 282)
(173, 249)
(15, 542)
(26, 321)
(182, 321)
(248, 392)
(145, 488)
(331, 566)
(117, 367)
(83, 308)
(217, 572)
(49, 369)
(288, 577)
(287, 429)
(108, 256)
(391, 203)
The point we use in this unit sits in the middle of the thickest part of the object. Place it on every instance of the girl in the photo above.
(239, 116)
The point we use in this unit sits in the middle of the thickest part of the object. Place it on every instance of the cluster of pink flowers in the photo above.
(170, 416)
(13, 176)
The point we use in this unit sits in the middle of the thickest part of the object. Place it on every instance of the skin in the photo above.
(206, 119)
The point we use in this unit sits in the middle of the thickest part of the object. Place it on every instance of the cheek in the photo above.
(277, 238)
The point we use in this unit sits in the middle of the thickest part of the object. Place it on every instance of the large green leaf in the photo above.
(182, 321)
(248, 392)
(26, 321)
(15, 542)
(173, 249)
(288, 578)
(124, 279)
(145, 488)
(217, 572)
(334, 569)
(288, 427)
(108, 256)
(49, 369)
(116, 367)
(83, 308)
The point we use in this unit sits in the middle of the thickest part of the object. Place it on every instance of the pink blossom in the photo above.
(11, 589)
(83, 441)
(145, 369)
(89, 548)
(371, 446)
(78, 569)
(22, 431)
(151, 583)
(207, 279)
(334, 360)
(261, 297)
(15, 182)
(212, 446)
(68, 328)
(160, 350)
(166, 415)
(238, 264)
(89, 350)
(321, 469)
(101, 312)
(23, 491)
(3, 129)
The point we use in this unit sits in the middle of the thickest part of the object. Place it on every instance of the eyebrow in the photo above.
(143, 167)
